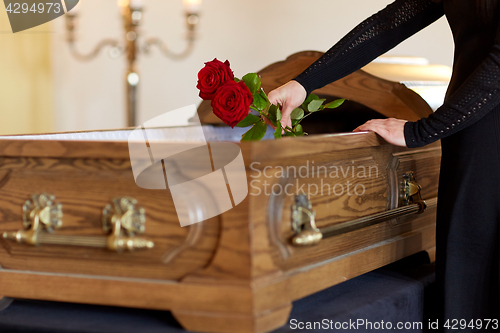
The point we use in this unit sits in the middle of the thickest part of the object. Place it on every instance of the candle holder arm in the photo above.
(165, 50)
(97, 49)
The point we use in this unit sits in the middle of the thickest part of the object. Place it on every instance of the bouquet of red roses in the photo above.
(233, 99)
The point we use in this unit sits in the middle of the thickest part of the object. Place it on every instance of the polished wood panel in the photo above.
(84, 187)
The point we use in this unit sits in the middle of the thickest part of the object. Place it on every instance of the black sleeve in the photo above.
(478, 95)
(371, 38)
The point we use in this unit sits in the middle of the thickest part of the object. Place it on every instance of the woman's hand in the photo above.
(290, 96)
(391, 129)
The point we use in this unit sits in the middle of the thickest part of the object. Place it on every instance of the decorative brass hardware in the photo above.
(41, 212)
(121, 221)
(306, 232)
(411, 193)
(304, 223)
(124, 218)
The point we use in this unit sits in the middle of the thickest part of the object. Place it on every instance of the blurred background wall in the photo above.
(46, 89)
(26, 79)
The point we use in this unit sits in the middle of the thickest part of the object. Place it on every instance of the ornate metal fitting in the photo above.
(411, 191)
(306, 232)
(42, 209)
(304, 223)
(40, 213)
(121, 221)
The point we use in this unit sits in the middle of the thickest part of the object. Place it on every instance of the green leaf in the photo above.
(308, 100)
(315, 105)
(263, 95)
(259, 102)
(295, 122)
(297, 113)
(298, 130)
(252, 80)
(248, 120)
(272, 113)
(277, 132)
(289, 133)
(335, 104)
(256, 132)
(236, 80)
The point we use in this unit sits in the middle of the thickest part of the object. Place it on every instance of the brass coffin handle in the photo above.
(121, 221)
(304, 224)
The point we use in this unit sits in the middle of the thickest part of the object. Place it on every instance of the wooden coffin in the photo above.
(239, 271)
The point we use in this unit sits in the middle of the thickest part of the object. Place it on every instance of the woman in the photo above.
(468, 124)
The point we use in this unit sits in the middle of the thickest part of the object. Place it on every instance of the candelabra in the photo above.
(131, 12)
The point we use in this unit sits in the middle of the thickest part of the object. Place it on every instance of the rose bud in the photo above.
(212, 77)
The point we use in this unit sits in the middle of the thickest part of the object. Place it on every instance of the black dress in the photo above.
(468, 124)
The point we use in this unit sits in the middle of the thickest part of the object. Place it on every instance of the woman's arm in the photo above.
(478, 95)
(373, 37)
(368, 40)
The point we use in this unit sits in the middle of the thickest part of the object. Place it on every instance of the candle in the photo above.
(122, 3)
(192, 6)
(136, 4)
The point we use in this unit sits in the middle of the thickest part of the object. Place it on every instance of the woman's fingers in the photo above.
(276, 97)
(290, 96)
(285, 116)
(391, 129)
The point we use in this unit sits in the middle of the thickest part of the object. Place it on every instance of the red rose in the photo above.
(232, 102)
(212, 77)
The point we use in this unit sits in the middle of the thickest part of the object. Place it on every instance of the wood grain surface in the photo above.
(84, 187)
